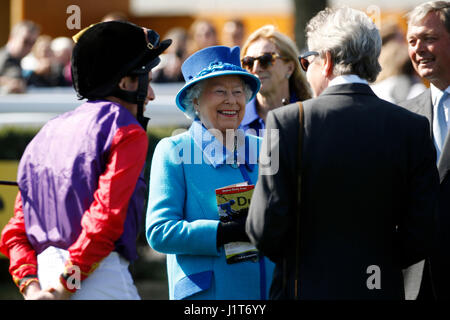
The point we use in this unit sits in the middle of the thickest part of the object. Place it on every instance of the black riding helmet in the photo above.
(108, 51)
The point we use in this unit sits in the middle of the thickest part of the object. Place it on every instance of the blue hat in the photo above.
(214, 62)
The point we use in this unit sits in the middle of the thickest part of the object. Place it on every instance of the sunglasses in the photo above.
(304, 62)
(265, 60)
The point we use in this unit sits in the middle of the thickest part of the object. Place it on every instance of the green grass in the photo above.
(8, 171)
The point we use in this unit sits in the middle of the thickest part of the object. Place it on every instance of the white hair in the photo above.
(195, 92)
(352, 39)
(421, 11)
(62, 43)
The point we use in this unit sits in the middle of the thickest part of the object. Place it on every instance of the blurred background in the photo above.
(44, 87)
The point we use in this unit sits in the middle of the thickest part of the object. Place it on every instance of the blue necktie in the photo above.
(440, 125)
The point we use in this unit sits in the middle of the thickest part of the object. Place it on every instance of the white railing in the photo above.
(39, 105)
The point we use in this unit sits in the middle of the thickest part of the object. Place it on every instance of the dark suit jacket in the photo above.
(368, 196)
(439, 263)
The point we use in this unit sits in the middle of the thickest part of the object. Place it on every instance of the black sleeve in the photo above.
(417, 229)
(268, 220)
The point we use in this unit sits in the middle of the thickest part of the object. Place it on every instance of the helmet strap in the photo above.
(136, 97)
(140, 97)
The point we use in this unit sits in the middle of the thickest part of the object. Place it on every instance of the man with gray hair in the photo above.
(368, 176)
(428, 38)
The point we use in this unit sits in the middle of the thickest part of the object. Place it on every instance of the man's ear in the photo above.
(127, 83)
(123, 83)
(327, 69)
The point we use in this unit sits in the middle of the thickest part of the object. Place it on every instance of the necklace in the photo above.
(235, 163)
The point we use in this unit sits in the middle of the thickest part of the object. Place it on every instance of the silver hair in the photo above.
(421, 11)
(195, 92)
(352, 39)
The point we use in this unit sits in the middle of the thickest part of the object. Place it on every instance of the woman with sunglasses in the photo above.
(273, 58)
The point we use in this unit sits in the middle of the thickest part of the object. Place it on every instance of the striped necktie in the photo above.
(440, 125)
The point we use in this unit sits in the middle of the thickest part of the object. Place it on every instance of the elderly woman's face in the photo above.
(221, 104)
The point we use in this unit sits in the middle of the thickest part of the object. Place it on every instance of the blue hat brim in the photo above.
(249, 78)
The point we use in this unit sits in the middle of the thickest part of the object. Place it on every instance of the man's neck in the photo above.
(345, 79)
(440, 84)
(127, 105)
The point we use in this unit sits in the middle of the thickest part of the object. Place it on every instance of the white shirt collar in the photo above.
(346, 79)
(436, 94)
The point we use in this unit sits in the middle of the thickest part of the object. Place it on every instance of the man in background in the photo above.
(428, 38)
(21, 40)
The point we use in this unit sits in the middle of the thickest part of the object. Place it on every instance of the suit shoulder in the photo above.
(412, 122)
(287, 113)
(417, 103)
(407, 113)
(401, 115)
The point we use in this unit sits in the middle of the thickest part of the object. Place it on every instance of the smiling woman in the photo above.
(221, 103)
(182, 216)
(217, 89)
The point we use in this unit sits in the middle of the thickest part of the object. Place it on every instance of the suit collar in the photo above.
(444, 160)
(346, 79)
(436, 94)
(348, 88)
(424, 106)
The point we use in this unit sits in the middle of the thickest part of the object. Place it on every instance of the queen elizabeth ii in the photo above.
(182, 216)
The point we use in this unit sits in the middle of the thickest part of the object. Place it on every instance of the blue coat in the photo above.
(182, 217)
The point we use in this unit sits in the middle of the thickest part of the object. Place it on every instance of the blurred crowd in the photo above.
(32, 59)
